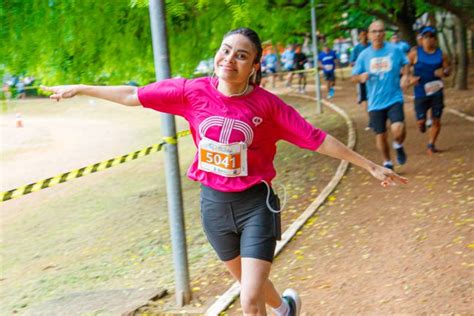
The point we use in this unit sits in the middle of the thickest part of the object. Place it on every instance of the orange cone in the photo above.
(19, 121)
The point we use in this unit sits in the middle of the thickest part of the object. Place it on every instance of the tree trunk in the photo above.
(445, 33)
(463, 9)
(405, 19)
(431, 19)
(472, 48)
(405, 27)
(461, 55)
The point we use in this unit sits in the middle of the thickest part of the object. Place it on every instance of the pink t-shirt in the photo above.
(259, 119)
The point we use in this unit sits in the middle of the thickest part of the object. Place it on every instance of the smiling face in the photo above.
(235, 59)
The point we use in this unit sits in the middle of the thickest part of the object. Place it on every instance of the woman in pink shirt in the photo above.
(235, 125)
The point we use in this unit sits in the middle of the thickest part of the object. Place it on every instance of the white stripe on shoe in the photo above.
(295, 305)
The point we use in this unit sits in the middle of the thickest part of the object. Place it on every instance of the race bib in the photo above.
(328, 67)
(433, 87)
(227, 160)
(380, 65)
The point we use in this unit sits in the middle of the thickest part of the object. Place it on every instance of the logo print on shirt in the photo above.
(379, 65)
(228, 126)
(257, 120)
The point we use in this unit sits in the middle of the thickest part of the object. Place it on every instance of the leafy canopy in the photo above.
(109, 41)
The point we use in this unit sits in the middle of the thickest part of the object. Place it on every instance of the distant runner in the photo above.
(270, 65)
(430, 65)
(300, 61)
(327, 61)
(361, 87)
(380, 66)
(402, 45)
(288, 62)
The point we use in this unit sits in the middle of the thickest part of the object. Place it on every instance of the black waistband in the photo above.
(219, 196)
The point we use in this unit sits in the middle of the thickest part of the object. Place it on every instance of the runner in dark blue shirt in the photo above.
(327, 61)
(430, 65)
(363, 44)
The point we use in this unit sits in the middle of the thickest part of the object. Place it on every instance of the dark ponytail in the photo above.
(253, 37)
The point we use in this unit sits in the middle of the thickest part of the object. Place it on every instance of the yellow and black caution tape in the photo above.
(46, 183)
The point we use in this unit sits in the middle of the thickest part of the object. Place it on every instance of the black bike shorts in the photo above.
(240, 223)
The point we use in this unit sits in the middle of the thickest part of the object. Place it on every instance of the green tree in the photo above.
(65, 41)
(71, 41)
(463, 9)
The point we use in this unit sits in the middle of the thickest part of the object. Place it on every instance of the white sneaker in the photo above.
(294, 301)
(429, 123)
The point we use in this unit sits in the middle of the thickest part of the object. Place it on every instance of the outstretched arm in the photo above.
(334, 148)
(126, 95)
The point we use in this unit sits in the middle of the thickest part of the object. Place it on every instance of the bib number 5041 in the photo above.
(222, 160)
(227, 160)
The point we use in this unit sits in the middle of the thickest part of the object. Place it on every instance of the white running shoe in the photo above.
(429, 123)
(294, 301)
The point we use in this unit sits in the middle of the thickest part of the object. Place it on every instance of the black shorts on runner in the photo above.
(361, 93)
(378, 118)
(270, 70)
(240, 223)
(433, 102)
(329, 76)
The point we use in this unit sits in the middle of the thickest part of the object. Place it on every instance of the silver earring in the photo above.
(214, 76)
(252, 75)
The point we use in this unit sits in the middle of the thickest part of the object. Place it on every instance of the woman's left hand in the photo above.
(387, 176)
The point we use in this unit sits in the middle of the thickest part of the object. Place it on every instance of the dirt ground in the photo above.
(402, 250)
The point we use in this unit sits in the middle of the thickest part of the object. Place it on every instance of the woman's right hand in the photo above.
(62, 92)
(386, 176)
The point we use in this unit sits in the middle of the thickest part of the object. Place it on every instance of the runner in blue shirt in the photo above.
(288, 61)
(363, 44)
(380, 66)
(269, 65)
(430, 65)
(327, 61)
(361, 88)
(402, 45)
